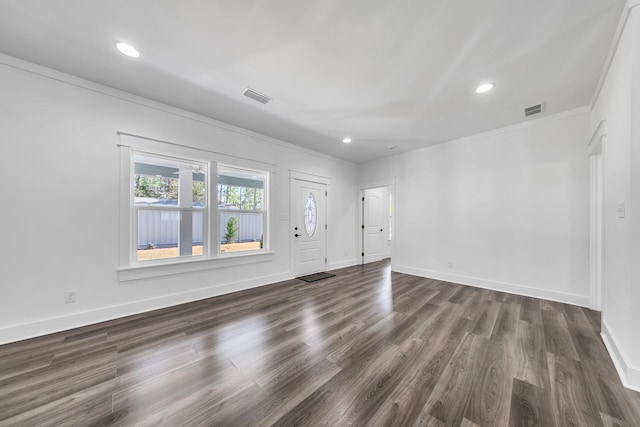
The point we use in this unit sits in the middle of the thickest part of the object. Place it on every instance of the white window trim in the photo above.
(188, 265)
(131, 269)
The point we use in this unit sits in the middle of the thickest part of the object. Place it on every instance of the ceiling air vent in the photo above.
(534, 109)
(257, 96)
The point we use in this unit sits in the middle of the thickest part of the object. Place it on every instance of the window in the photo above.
(170, 211)
(185, 209)
(310, 215)
(241, 209)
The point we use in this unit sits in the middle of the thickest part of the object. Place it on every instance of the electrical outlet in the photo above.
(69, 296)
(450, 264)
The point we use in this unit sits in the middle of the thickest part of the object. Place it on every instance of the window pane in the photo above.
(198, 232)
(159, 234)
(240, 189)
(199, 191)
(310, 215)
(169, 206)
(157, 181)
(241, 231)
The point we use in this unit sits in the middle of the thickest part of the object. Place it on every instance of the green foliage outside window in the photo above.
(240, 197)
(232, 230)
(198, 191)
(164, 188)
(155, 187)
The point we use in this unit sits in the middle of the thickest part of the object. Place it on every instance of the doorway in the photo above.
(377, 222)
(308, 227)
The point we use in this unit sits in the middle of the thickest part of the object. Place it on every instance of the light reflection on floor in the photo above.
(312, 330)
(385, 292)
(240, 336)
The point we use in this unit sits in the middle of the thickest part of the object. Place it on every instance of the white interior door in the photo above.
(375, 220)
(308, 223)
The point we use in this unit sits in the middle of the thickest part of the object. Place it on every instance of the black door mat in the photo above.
(315, 277)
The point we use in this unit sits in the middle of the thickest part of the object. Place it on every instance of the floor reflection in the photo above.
(385, 293)
(312, 329)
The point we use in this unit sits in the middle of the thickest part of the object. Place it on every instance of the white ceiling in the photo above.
(400, 72)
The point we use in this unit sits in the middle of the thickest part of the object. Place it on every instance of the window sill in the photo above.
(126, 274)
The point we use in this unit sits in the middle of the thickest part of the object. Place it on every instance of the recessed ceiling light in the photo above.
(485, 87)
(127, 49)
(346, 140)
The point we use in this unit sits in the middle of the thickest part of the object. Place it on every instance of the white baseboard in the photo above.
(580, 300)
(341, 264)
(629, 374)
(41, 327)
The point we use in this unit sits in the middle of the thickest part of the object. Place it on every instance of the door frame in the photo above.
(596, 216)
(391, 183)
(295, 175)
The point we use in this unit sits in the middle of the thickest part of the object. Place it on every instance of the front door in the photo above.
(308, 222)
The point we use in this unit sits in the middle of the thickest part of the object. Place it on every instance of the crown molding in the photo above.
(622, 23)
(511, 128)
(49, 73)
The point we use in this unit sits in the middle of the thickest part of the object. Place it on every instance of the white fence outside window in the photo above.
(161, 228)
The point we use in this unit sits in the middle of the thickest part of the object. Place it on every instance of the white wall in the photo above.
(59, 219)
(634, 198)
(509, 209)
(618, 104)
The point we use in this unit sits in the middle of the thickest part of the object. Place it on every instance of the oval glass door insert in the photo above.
(310, 215)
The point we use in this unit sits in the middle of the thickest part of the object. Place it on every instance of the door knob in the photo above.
(297, 235)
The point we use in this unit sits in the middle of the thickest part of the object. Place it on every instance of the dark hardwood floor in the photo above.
(367, 347)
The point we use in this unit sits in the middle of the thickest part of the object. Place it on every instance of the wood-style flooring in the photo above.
(366, 348)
